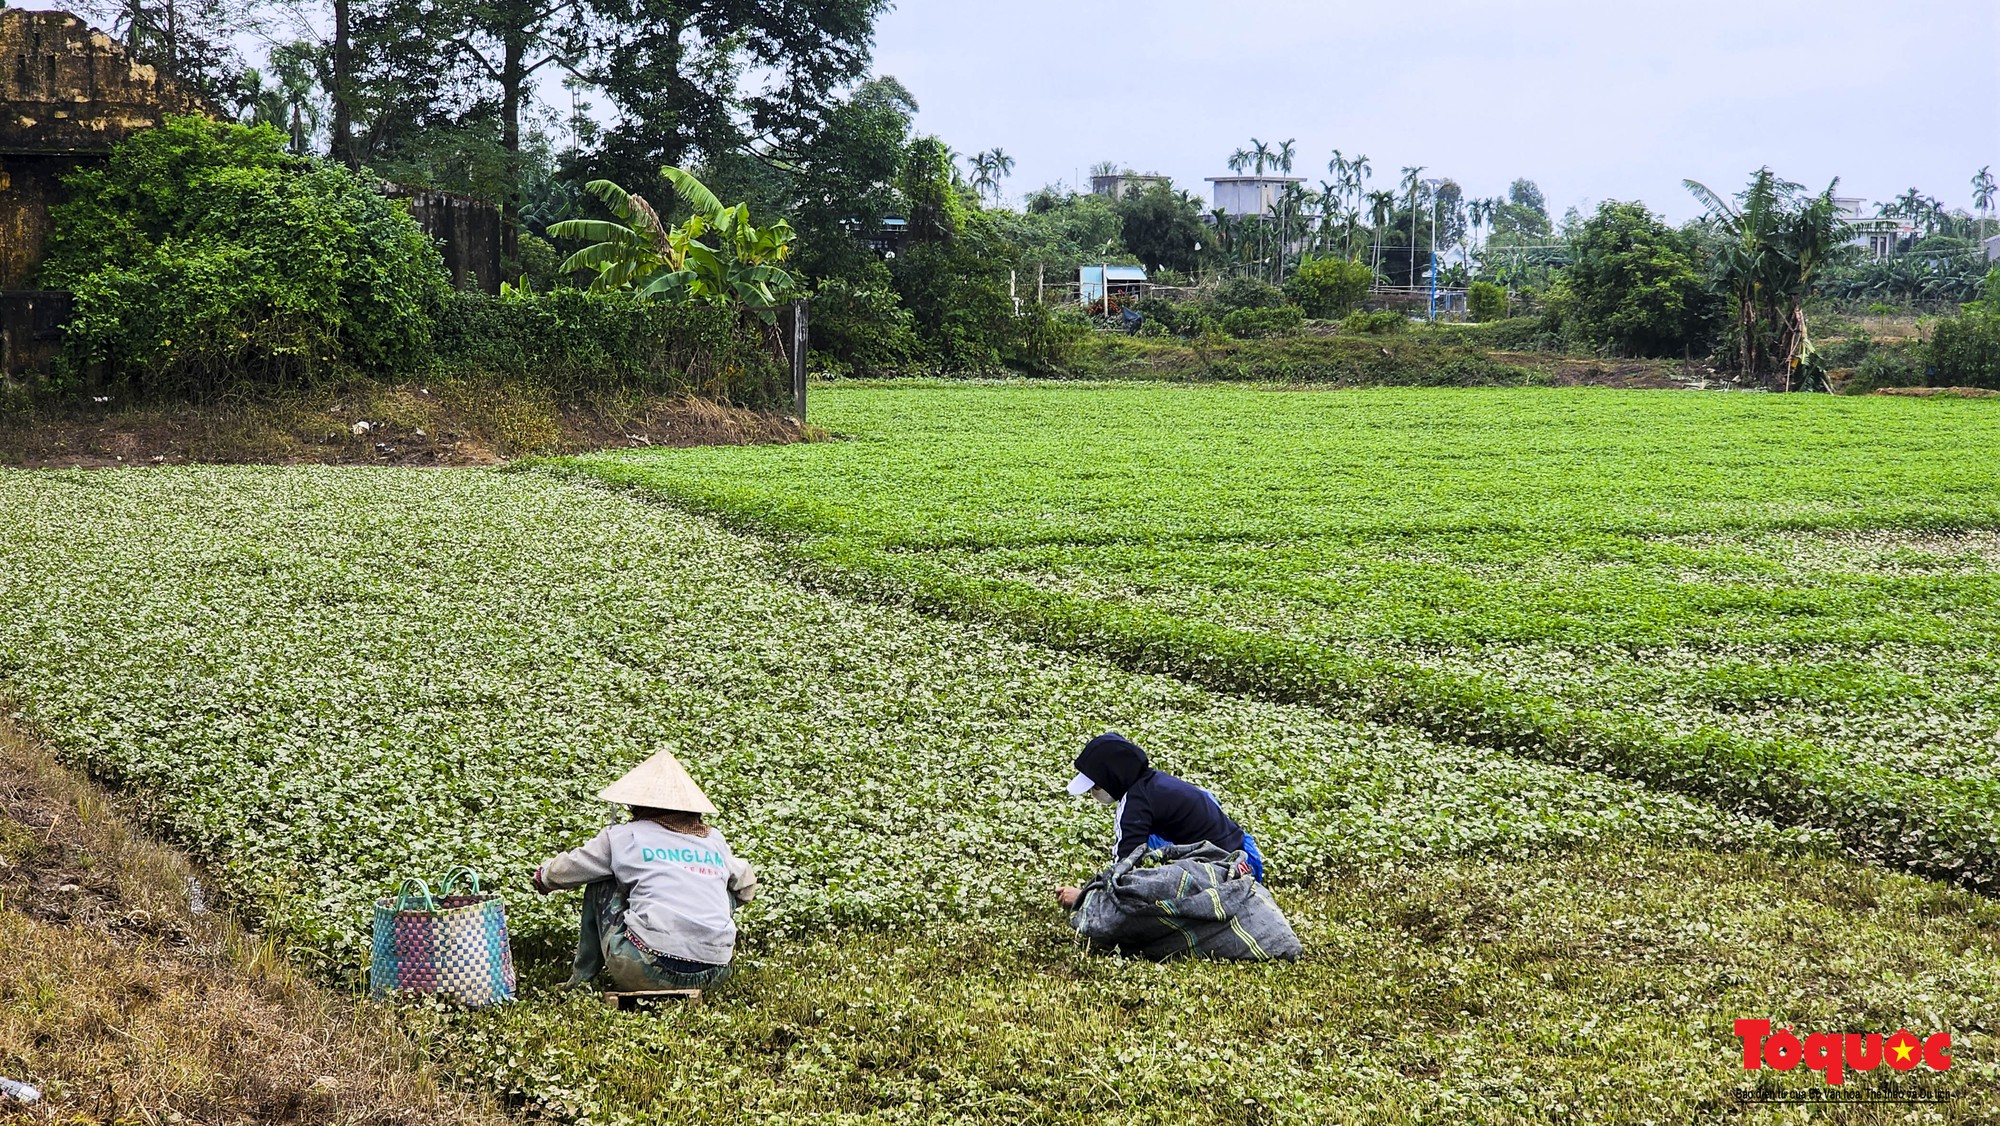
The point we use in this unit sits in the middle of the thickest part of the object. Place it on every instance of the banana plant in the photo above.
(718, 256)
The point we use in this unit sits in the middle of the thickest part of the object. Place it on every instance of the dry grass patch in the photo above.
(443, 423)
(127, 1000)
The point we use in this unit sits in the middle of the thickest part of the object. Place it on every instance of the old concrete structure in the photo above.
(67, 95)
(467, 231)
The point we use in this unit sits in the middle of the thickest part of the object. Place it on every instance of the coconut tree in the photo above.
(1776, 240)
(1410, 185)
(1983, 191)
(982, 175)
(1381, 205)
(998, 166)
(1283, 155)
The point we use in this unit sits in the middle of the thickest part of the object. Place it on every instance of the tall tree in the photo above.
(1983, 191)
(1776, 240)
(1410, 185)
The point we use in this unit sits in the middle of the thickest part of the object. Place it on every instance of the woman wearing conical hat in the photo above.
(660, 890)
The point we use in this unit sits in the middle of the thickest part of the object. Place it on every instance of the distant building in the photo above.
(1118, 184)
(1239, 196)
(1877, 235)
(1124, 280)
(1993, 249)
(886, 240)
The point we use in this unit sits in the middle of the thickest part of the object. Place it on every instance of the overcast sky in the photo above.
(1593, 99)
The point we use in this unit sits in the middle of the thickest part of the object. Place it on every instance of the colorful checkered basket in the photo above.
(451, 945)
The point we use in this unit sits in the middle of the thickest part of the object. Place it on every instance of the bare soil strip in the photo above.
(412, 425)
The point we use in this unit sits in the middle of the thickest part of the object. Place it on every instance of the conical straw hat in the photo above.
(659, 783)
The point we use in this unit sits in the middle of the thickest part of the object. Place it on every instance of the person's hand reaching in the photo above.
(1068, 896)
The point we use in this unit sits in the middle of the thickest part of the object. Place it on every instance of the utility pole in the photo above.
(1433, 185)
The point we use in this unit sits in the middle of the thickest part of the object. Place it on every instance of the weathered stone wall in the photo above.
(30, 330)
(68, 93)
(467, 230)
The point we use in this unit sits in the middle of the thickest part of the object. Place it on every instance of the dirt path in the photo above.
(125, 998)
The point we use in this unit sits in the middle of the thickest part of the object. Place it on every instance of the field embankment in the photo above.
(125, 998)
(445, 422)
(319, 681)
(1782, 605)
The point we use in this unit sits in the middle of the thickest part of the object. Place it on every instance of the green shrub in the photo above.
(206, 260)
(1247, 293)
(859, 327)
(568, 339)
(1888, 367)
(1486, 302)
(1521, 334)
(1965, 351)
(1408, 360)
(1253, 324)
(1638, 285)
(1184, 319)
(1327, 288)
(1376, 323)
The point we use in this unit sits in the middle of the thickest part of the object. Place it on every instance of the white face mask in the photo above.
(1099, 793)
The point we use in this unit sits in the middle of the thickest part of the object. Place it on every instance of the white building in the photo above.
(1873, 233)
(1993, 249)
(1239, 196)
(1117, 184)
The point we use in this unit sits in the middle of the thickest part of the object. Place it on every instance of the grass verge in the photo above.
(124, 1002)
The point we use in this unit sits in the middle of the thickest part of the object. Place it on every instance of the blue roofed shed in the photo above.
(1124, 279)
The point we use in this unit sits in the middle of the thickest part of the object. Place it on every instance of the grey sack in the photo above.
(1193, 901)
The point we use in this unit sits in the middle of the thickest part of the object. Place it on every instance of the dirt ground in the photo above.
(440, 425)
(1631, 375)
(126, 998)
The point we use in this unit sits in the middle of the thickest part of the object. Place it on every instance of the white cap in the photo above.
(1081, 785)
(660, 783)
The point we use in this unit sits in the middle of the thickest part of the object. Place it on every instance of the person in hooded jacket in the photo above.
(1155, 809)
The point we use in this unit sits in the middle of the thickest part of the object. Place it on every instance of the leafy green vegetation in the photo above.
(659, 262)
(204, 259)
(320, 680)
(1635, 582)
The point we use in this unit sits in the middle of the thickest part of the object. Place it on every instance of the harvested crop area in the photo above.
(1785, 606)
(317, 680)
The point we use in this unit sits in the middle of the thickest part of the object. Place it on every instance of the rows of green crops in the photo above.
(323, 680)
(1790, 606)
(319, 680)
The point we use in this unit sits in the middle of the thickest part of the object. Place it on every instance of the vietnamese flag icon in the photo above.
(1904, 1050)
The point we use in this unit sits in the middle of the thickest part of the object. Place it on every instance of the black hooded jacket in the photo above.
(1151, 803)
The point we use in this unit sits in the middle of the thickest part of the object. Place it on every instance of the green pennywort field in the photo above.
(1786, 605)
(324, 679)
(318, 680)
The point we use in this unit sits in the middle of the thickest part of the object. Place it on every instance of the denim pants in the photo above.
(602, 945)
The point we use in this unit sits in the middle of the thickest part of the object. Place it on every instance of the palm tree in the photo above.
(1329, 209)
(982, 174)
(1983, 195)
(999, 166)
(1282, 158)
(1381, 205)
(1410, 183)
(1777, 241)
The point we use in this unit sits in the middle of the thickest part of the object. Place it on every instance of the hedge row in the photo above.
(568, 339)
